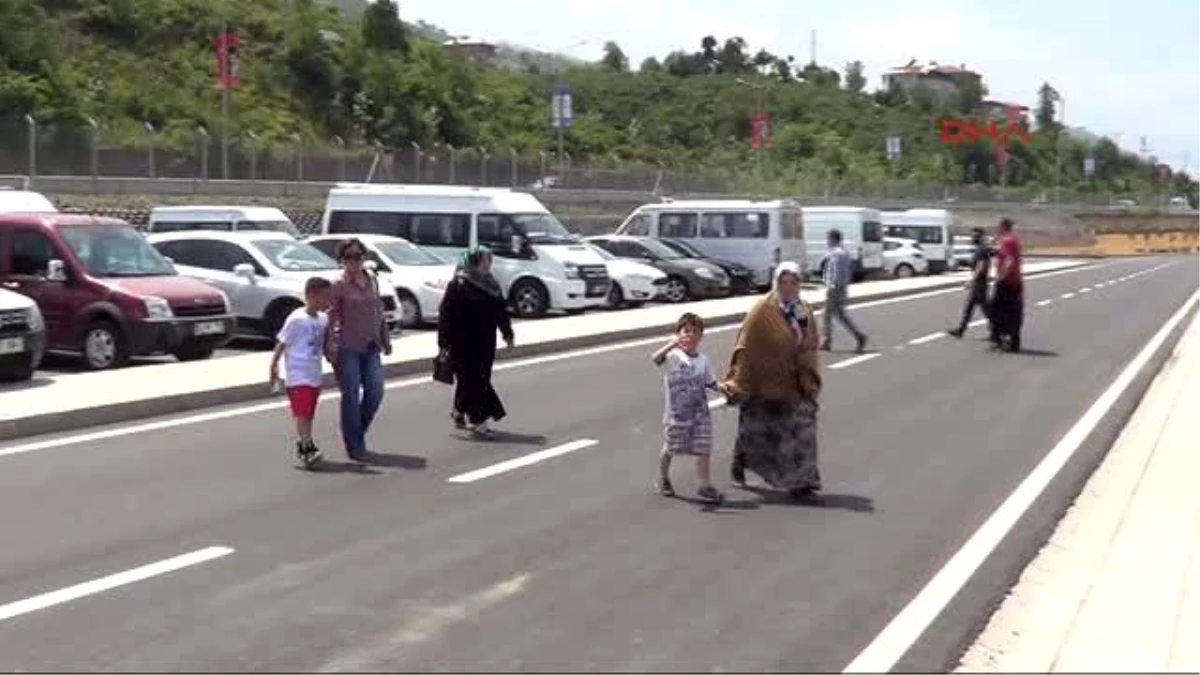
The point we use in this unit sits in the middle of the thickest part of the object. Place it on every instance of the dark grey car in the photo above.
(687, 278)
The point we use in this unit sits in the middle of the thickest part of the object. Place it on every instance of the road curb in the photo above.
(127, 411)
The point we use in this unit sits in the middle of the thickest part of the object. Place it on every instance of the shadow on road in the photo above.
(331, 467)
(36, 382)
(1038, 353)
(409, 462)
(845, 502)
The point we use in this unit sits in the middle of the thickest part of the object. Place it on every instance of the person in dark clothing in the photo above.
(1008, 296)
(472, 311)
(977, 285)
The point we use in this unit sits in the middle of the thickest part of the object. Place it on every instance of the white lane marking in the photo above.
(894, 641)
(1085, 289)
(256, 408)
(977, 322)
(928, 338)
(1043, 303)
(854, 361)
(525, 460)
(425, 623)
(717, 403)
(1067, 296)
(112, 581)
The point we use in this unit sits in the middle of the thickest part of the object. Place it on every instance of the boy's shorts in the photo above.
(694, 437)
(304, 401)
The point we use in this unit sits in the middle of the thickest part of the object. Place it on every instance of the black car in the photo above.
(741, 280)
(687, 278)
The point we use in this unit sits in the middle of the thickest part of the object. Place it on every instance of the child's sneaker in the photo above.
(711, 494)
(312, 455)
(663, 487)
(302, 452)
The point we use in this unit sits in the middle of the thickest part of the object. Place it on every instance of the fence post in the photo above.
(340, 145)
(542, 171)
(299, 150)
(95, 152)
(32, 126)
(567, 169)
(453, 161)
(253, 155)
(153, 142)
(483, 160)
(202, 133)
(416, 162)
(512, 155)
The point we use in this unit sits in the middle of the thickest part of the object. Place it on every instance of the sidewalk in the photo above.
(65, 402)
(1117, 587)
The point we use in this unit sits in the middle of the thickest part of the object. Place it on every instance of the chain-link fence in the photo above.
(32, 148)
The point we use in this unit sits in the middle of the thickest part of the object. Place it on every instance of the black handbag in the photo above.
(443, 370)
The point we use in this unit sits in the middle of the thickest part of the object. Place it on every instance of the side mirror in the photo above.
(56, 271)
(370, 265)
(244, 270)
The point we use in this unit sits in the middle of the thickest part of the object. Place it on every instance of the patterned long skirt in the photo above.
(779, 443)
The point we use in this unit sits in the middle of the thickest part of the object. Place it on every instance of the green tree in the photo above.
(614, 59)
(1046, 114)
(382, 28)
(855, 81)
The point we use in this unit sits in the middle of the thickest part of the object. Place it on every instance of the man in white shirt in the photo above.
(839, 272)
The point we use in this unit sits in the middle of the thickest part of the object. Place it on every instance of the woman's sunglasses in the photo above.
(352, 255)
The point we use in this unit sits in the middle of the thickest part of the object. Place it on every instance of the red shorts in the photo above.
(304, 401)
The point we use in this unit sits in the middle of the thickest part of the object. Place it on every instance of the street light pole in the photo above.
(1062, 113)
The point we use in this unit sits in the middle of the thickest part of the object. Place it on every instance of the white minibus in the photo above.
(539, 264)
(757, 234)
(862, 237)
(931, 228)
(219, 219)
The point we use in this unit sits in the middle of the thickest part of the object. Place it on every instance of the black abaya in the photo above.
(468, 320)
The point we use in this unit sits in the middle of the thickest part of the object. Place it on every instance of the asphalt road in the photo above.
(566, 564)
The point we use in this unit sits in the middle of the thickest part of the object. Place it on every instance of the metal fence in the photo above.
(34, 149)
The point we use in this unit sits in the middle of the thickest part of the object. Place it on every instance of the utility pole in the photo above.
(225, 105)
(1062, 113)
(812, 47)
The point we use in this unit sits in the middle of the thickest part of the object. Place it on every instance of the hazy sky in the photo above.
(1126, 69)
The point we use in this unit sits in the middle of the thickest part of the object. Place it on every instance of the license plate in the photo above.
(596, 290)
(210, 328)
(12, 345)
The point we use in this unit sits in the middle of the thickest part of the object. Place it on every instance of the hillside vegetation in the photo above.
(359, 73)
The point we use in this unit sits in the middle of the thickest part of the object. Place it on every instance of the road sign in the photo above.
(893, 147)
(1089, 166)
(561, 108)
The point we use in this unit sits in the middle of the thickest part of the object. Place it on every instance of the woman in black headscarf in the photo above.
(473, 310)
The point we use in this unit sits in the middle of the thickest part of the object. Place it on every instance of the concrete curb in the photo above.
(126, 411)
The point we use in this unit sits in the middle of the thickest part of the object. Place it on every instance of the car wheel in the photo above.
(276, 314)
(529, 299)
(616, 298)
(104, 346)
(194, 352)
(410, 309)
(904, 271)
(676, 290)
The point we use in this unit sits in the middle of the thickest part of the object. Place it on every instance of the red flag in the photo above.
(760, 131)
(228, 61)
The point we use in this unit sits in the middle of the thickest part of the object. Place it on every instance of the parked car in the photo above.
(741, 279)
(687, 278)
(24, 201)
(633, 282)
(904, 258)
(263, 273)
(105, 292)
(22, 337)
(419, 277)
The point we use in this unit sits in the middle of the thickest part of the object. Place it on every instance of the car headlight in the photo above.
(157, 308)
(33, 318)
(706, 273)
(572, 271)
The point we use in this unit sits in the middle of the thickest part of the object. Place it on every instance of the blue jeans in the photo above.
(360, 378)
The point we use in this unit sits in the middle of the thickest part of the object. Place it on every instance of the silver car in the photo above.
(263, 273)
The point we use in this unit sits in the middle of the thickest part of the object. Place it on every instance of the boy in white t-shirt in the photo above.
(300, 343)
(687, 421)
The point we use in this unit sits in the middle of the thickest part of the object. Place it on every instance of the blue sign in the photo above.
(561, 111)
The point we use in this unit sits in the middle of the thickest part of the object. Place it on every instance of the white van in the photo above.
(219, 219)
(24, 201)
(757, 234)
(862, 237)
(539, 264)
(930, 228)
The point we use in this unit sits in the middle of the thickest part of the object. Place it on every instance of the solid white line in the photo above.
(1085, 289)
(256, 408)
(977, 322)
(112, 581)
(1067, 296)
(525, 460)
(853, 361)
(882, 654)
(1043, 303)
(928, 338)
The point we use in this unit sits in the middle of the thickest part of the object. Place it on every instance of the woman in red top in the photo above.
(1008, 298)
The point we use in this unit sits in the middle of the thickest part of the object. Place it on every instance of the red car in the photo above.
(106, 293)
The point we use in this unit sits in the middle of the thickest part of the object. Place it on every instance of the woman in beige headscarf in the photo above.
(775, 378)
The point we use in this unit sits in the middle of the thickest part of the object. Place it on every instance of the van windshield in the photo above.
(542, 228)
(115, 251)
